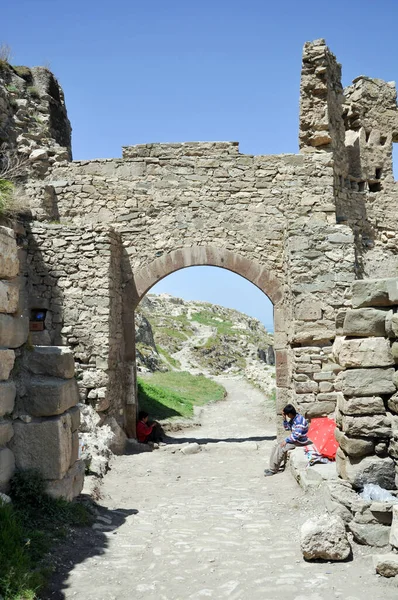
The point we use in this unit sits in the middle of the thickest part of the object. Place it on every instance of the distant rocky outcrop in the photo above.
(172, 333)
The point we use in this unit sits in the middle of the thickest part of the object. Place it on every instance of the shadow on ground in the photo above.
(81, 544)
(204, 441)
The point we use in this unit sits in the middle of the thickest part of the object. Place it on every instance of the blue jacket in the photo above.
(299, 428)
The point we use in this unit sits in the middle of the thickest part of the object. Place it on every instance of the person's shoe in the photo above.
(268, 473)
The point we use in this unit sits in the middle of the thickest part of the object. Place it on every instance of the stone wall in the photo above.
(38, 392)
(301, 227)
(366, 386)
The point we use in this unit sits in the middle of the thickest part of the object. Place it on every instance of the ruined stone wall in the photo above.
(300, 227)
(38, 392)
(74, 274)
(367, 408)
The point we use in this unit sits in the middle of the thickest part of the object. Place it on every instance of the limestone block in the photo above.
(386, 564)
(354, 446)
(7, 468)
(47, 396)
(372, 426)
(75, 448)
(369, 469)
(393, 448)
(374, 292)
(324, 538)
(392, 403)
(368, 352)
(372, 534)
(70, 485)
(318, 409)
(9, 296)
(7, 397)
(365, 382)
(306, 387)
(341, 492)
(394, 527)
(9, 263)
(74, 413)
(6, 431)
(54, 361)
(14, 331)
(394, 351)
(7, 358)
(43, 444)
(366, 405)
(392, 324)
(365, 322)
(119, 440)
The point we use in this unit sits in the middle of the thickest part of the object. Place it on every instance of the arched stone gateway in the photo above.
(210, 256)
(302, 227)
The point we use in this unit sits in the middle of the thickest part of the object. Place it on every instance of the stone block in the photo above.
(13, 331)
(318, 409)
(365, 405)
(371, 534)
(365, 322)
(53, 361)
(324, 376)
(355, 447)
(7, 468)
(9, 296)
(365, 382)
(70, 485)
(9, 263)
(74, 413)
(7, 397)
(324, 538)
(369, 469)
(48, 396)
(75, 448)
(394, 527)
(394, 351)
(386, 564)
(6, 432)
(44, 444)
(368, 352)
(374, 292)
(392, 324)
(342, 493)
(306, 387)
(7, 358)
(374, 426)
(392, 403)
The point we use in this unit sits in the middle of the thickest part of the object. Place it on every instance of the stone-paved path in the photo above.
(209, 525)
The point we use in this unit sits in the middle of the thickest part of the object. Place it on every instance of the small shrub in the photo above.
(33, 91)
(5, 55)
(23, 72)
(6, 195)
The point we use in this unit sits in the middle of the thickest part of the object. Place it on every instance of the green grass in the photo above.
(172, 361)
(174, 394)
(205, 317)
(6, 192)
(29, 528)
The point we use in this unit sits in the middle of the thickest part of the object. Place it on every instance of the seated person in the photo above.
(298, 425)
(145, 432)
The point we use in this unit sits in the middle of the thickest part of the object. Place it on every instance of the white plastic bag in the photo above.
(376, 493)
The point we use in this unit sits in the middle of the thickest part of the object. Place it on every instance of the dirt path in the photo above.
(209, 525)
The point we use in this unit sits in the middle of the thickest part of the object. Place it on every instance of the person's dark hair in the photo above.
(290, 410)
(142, 414)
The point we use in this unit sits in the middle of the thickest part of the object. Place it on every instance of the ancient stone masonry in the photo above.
(365, 356)
(38, 392)
(302, 227)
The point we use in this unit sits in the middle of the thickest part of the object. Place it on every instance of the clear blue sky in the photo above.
(155, 71)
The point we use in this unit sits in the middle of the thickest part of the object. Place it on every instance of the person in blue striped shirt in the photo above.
(298, 427)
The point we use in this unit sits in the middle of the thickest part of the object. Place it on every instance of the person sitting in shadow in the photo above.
(148, 433)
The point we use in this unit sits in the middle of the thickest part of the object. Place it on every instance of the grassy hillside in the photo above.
(175, 393)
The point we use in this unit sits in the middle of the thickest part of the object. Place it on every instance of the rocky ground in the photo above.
(178, 526)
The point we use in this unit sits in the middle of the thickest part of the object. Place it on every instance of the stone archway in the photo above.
(146, 277)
